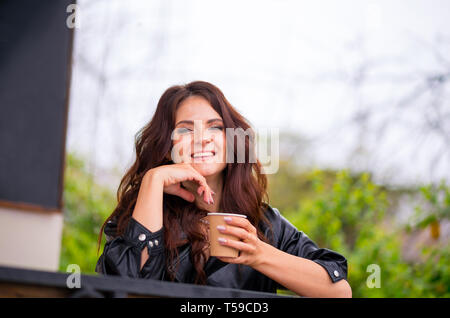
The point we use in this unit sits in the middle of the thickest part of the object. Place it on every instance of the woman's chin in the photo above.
(207, 169)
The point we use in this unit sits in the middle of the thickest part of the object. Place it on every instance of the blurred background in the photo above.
(358, 89)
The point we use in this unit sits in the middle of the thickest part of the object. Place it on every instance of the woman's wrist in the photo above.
(265, 254)
(153, 176)
(148, 209)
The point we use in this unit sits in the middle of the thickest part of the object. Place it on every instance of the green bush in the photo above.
(86, 206)
(349, 216)
(436, 206)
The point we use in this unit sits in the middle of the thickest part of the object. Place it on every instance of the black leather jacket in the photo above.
(122, 256)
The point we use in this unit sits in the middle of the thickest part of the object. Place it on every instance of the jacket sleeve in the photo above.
(297, 243)
(122, 254)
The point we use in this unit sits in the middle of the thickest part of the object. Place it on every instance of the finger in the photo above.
(238, 232)
(207, 192)
(233, 260)
(197, 177)
(240, 222)
(241, 246)
(185, 194)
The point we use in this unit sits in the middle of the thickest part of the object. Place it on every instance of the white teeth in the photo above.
(203, 154)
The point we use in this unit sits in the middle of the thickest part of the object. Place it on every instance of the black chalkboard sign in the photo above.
(35, 63)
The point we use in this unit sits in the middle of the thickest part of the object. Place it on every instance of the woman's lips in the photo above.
(203, 156)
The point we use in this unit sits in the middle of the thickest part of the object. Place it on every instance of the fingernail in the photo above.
(227, 218)
(221, 227)
(222, 240)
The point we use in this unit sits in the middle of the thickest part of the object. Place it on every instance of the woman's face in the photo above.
(199, 137)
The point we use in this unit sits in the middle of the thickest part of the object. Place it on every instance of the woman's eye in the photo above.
(183, 130)
(217, 127)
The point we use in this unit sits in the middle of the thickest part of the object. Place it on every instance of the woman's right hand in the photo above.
(172, 175)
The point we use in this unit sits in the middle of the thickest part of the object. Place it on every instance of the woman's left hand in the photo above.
(250, 246)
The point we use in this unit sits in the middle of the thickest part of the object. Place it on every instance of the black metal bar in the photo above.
(115, 286)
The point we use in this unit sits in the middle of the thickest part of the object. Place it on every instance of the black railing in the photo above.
(17, 282)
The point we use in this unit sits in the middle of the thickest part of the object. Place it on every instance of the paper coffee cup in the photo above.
(217, 249)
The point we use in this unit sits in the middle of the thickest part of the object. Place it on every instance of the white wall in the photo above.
(30, 239)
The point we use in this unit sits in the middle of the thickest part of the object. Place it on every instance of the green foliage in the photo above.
(86, 206)
(437, 201)
(348, 215)
(435, 210)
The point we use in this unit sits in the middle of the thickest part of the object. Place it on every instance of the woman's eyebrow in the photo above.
(191, 122)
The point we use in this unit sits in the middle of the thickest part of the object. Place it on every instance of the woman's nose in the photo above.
(202, 136)
(203, 140)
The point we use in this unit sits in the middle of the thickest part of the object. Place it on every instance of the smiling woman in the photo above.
(180, 174)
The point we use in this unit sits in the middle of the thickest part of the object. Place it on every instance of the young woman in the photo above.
(182, 172)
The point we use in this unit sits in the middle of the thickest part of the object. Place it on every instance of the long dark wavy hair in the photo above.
(243, 182)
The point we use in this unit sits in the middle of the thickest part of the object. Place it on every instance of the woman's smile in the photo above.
(203, 156)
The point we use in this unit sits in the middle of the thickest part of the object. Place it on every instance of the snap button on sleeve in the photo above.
(156, 242)
(142, 237)
(150, 243)
(336, 273)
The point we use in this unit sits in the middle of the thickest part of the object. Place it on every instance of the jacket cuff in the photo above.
(335, 272)
(139, 236)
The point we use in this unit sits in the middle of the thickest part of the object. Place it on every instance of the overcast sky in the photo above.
(283, 64)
